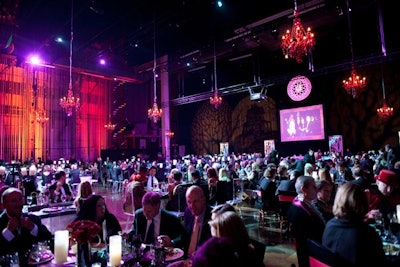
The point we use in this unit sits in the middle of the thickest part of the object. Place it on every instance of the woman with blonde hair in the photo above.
(84, 191)
(229, 225)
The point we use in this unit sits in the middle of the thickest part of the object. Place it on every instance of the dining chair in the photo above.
(130, 214)
(285, 200)
(321, 256)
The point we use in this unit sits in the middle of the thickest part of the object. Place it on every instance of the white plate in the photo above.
(181, 263)
(52, 209)
(175, 254)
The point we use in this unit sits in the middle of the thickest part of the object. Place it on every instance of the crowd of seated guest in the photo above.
(378, 175)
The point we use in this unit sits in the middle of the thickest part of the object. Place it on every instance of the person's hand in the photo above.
(27, 223)
(13, 224)
(164, 241)
(374, 214)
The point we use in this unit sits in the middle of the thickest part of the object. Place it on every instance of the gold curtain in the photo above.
(27, 91)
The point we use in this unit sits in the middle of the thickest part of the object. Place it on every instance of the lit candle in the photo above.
(115, 250)
(60, 246)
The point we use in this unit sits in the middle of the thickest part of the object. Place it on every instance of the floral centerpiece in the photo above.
(84, 232)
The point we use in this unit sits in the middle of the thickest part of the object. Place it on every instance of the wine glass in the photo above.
(63, 198)
(136, 242)
(35, 254)
(29, 200)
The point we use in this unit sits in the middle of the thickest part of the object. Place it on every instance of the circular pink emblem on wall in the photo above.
(299, 88)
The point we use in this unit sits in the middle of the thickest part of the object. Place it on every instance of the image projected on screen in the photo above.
(301, 124)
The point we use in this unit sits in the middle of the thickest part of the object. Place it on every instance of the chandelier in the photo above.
(154, 113)
(215, 100)
(169, 133)
(297, 42)
(109, 126)
(385, 112)
(354, 84)
(69, 102)
(41, 117)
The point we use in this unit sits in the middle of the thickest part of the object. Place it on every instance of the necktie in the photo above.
(194, 238)
(150, 234)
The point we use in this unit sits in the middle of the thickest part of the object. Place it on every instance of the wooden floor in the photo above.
(279, 251)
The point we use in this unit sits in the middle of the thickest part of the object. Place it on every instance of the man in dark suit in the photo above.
(60, 190)
(342, 174)
(199, 181)
(358, 175)
(304, 219)
(19, 231)
(153, 223)
(195, 219)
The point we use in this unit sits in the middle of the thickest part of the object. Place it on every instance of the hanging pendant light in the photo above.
(70, 102)
(215, 100)
(297, 41)
(384, 112)
(154, 113)
(109, 126)
(354, 84)
(41, 117)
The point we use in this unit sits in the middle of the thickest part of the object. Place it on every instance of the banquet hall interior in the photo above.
(178, 55)
(83, 79)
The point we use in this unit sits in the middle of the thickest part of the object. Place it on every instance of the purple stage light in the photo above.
(35, 60)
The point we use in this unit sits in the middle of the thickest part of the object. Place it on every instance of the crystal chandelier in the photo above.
(41, 117)
(354, 84)
(109, 126)
(215, 100)
(69, 102)
(154, 113)
(385, 112)
(297, 42)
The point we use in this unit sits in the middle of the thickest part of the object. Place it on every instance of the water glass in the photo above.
(35, 253)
